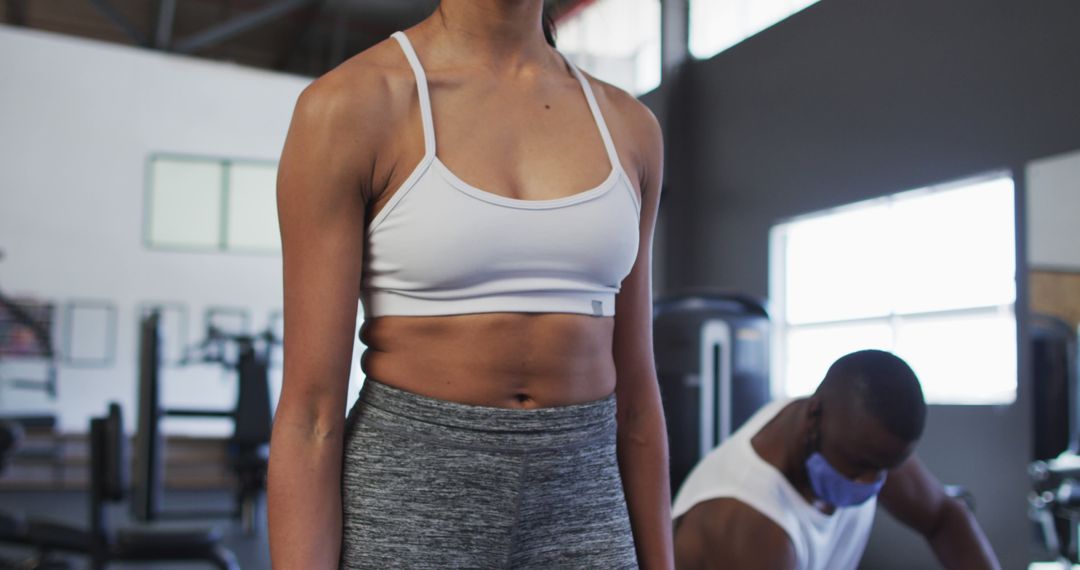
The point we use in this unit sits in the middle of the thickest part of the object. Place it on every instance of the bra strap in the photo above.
(597, 115)
(422, 91)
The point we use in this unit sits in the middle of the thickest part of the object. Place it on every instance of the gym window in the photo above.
(716, 25)
(211, 204)
(617, 41)
(929, 274)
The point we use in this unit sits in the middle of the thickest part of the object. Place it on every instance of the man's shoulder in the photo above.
(738, 535)
(722, 515)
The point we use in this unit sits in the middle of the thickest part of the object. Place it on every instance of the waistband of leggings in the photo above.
(585, 418)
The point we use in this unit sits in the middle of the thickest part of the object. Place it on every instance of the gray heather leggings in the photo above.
(428, 483)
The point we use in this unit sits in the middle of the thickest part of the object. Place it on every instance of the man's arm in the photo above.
(727, 533)
(916, 498)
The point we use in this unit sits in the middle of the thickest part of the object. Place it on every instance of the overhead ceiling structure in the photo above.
(307, 37)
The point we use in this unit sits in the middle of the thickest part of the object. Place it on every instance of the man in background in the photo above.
(797, 486)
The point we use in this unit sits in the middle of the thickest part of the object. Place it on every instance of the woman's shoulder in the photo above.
(350, 115)
(630, 121)
(370, 88)
(628, 109)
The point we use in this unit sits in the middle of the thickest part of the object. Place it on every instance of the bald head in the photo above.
(880, 385)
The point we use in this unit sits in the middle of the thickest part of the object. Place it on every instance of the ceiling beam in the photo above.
(120, 21)
(304, 29)
(166, 14)
(238, 25)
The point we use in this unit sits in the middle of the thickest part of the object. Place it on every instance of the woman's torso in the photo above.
(524, 137)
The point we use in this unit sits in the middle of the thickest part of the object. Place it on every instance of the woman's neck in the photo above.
(503, 35)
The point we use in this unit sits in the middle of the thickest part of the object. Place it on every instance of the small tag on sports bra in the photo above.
(598, 308)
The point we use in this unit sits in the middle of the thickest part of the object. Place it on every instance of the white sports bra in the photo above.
(441, 247)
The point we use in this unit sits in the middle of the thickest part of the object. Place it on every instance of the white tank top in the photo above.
(734, 470)
(441, 246)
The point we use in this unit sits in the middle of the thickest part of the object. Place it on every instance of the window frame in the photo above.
(582, 58)
(777, 277)
(690, 29)
(226, 164)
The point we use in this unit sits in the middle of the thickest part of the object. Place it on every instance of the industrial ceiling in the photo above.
(306, 37)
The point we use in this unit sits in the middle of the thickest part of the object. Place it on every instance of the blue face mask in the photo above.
(832, 487)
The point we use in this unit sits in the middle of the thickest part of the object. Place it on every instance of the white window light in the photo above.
(211, 204)
(184, 203)
(253, 223)
(716, 25)
(928, 274)
(617, 41)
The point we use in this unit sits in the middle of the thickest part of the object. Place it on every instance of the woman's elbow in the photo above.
(314, 414)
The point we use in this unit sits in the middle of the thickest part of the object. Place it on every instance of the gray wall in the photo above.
(1053, 213)
(853, 99)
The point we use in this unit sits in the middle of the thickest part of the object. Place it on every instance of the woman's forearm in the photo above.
(304, 493)
(643, 465)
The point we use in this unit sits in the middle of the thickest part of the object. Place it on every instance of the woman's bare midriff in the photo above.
(506, 360)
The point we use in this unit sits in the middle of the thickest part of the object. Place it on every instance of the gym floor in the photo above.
(71, 507)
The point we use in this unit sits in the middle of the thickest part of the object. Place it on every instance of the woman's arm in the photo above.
(321, 207)
(642, 434)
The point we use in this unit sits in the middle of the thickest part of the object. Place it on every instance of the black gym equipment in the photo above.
(712, 361)
(13, 528)
(1053, 357)
(11, 435)
(248, 446)
(48, 446)
(1055, 475)
(35, 319)
(109, 484)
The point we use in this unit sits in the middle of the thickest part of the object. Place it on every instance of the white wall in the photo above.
(1054, 212)
(78, 120)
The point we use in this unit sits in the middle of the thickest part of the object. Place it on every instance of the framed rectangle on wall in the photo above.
(89, 333)
(184, 203)
(206, 203)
